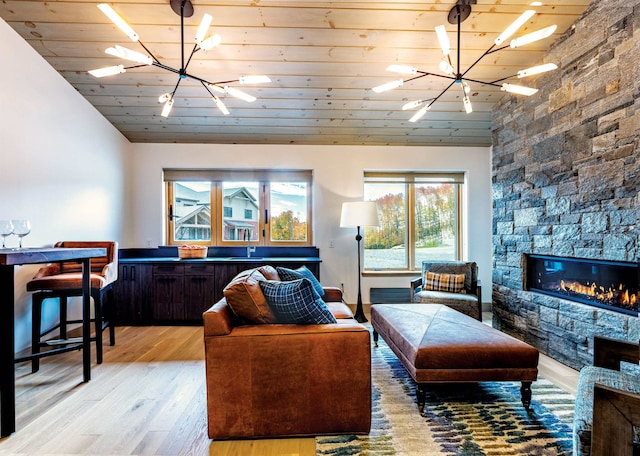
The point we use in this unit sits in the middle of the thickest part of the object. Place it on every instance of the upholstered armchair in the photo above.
(452, 283)
(64, 280)
(608, 401)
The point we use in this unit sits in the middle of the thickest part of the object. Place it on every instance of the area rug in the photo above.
(465, 420)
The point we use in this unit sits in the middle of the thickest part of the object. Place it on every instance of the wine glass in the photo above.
(6, 229)
(21, 228)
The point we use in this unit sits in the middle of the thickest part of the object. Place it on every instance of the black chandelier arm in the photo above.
(487, 52)
(176, 87)
(501, 79)
(148, 51)
(193, 51)
(443, 92)
(492, 83)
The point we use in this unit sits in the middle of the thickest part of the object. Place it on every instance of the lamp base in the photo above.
(359, 315)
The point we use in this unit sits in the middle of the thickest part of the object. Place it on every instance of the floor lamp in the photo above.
(359, 213)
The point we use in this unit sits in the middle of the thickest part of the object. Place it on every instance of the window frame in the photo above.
(410, 179)
(216, 177)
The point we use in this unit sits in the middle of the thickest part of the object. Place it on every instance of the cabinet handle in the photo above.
(124, 273)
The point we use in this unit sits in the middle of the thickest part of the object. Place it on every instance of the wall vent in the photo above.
(389, 295)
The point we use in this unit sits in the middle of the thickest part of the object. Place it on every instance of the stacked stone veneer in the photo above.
(566, 179)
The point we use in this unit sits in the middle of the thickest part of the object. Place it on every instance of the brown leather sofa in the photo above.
(267, 379)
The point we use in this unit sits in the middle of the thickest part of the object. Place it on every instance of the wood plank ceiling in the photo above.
(323, 59)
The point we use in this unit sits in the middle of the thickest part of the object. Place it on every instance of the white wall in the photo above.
(61, 162)
(338, 175)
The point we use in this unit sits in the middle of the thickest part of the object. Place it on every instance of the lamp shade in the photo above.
(359, 213)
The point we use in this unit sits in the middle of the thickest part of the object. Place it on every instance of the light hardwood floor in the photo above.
(147, 398)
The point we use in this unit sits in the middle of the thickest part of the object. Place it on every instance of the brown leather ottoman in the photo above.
(437, 344)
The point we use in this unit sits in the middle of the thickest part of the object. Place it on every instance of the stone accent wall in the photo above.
(566, 179)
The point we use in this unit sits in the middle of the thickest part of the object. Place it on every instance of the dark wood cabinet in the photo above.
(163, 290)
(200, 290)
(168, 292)
(132, 293)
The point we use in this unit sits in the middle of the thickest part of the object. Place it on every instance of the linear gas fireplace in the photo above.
(611, 285)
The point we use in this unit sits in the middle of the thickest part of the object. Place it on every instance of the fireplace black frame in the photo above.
(632, 269)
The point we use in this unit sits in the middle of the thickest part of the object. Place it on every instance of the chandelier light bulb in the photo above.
(402, 69)
(533, 36)
(537, 70)
(388, 86)
(443, 39)
(520, 90)
(164, 97)
(420, 114)
(254, 79)
(446, 67)
(466, 87)
(513, 28)
(107, 71)
(221, 106)
(240, 94)
(167, 108)
(467, 104)
(120, 23)
(210, 42)
(128, 54)
(216, 88)
(412, 105)
(205, 23)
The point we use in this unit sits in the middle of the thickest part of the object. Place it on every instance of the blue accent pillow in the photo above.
(302, 272)
(296, 302)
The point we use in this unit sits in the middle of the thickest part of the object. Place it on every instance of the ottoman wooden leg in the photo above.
(525, 392)
(375, 337)
(421, 395)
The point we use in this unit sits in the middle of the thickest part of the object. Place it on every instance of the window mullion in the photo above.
(410, 222)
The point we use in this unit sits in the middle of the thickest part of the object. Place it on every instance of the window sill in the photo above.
(390, 273)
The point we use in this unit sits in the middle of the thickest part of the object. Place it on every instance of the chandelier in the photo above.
(183, 8)
(458, 14)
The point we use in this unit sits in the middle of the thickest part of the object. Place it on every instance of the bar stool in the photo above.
(64, 280)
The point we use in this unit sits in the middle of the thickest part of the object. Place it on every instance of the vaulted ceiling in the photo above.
(323, 58)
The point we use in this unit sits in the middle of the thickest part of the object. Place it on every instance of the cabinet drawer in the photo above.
(199, 269)
(168, 269)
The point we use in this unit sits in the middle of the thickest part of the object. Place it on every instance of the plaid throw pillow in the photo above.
(452, 283)
(287, 275)
(296, 302)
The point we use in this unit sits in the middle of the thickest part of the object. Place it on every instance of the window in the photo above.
(229, 207)
(419, 216)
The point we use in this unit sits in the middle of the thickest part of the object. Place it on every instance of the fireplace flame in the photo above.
(599, 292)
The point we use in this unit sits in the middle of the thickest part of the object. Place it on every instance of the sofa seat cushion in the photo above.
(246, 300)
(583, 415)
(296, 302)
(339, 309)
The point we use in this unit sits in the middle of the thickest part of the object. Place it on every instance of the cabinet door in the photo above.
(199, 284)
(132, 294)
(168, 292)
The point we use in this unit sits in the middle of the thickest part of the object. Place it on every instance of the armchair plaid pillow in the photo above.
(451, 283)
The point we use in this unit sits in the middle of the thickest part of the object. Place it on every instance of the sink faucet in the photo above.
(250, 250)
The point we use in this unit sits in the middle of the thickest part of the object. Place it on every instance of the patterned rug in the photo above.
(465, 419)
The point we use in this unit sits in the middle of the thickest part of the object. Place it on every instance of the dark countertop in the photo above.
(165, 254)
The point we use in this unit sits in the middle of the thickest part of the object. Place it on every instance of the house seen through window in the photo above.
(274, 209)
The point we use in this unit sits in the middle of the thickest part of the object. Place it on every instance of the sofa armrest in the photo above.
(218, 320)
(609, 352)
(416, 286)
(283, 380)
(333, 294)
